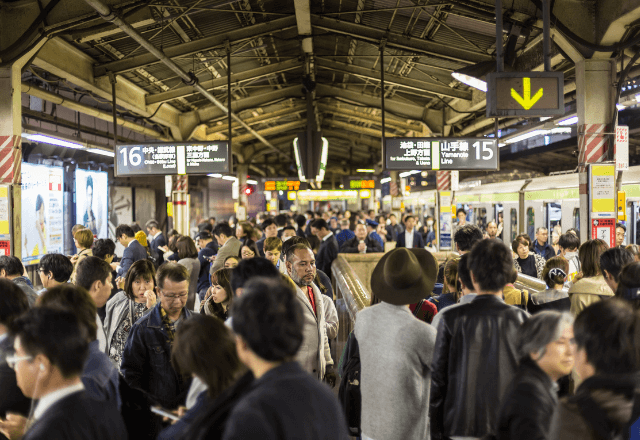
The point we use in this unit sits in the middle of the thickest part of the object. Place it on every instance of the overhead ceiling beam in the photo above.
(196, 46)
(374, 133)
(411, 83)
(404, 42)
(266, 132)
(262, 119)
(372, 119)
(221, 82)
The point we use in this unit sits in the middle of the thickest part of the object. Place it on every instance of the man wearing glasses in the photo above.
(50, 350)
(146, 359)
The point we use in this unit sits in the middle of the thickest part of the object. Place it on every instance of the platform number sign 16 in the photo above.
(483, 150)
(135, 156)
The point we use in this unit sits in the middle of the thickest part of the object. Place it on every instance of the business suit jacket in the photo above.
(326, 254)
(418, 241)
(11, 398)
(77, 417)
(230, 248)
(314, 354)
(351, 246)
(154, 245)
(132, 253)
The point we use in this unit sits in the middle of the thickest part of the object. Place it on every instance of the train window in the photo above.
(576, 219)
(481, 218)
(514, 223)
(531, 223)
(554, 218)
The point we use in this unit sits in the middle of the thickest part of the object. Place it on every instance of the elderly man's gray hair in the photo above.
(542, 329)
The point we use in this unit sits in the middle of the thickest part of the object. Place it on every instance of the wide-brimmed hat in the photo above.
(404, 276)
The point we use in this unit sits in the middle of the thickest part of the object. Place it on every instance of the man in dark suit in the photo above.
(328, 245)
(410, 238)
(13, 303)
(50, 351)
(208, 248)
(156, 240)
(361, 243)
(133, 251)
(270, 229)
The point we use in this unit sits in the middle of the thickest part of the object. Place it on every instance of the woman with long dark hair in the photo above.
(219, 297)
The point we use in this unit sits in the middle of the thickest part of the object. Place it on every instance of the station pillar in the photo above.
(243, 170)
(180, 198)
(596, 92)
(444, 230)
(393, 192)
(11, 154)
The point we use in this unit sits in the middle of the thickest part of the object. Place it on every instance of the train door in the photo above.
(633, 223)
(513, 224)
(498, 214)
(569, 207)
(553, 221)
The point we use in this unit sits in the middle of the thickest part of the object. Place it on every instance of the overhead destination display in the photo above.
(175, 158)
(441, 154)
(525, 94)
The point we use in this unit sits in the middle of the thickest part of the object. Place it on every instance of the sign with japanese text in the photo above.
(176, 158)
(604, 229)
(603, 191)
(622, 148)
(281, 185)
(362, 184)
(441, 154)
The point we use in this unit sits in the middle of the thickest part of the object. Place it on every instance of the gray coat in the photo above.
(396, 350)
(314, 354)
(193, 266)
(231, 247)
(117, 309)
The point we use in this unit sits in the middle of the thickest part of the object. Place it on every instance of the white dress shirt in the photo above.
(101, 336)
(408, 239)
(54, 397)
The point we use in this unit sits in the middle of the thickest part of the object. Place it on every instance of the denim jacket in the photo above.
(146, 361)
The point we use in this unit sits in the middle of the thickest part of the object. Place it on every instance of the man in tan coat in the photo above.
(314, 355)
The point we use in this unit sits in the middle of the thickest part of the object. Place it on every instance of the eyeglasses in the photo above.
(13, 360)
(174, 297)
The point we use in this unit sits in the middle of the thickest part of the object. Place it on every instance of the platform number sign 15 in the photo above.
(483, 152)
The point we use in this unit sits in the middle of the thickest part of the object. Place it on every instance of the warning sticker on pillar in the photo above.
(443, 180)
(622, 148)
(10, 159)
(180, 183)
(603, 195)
(592, 144)
(604, 229)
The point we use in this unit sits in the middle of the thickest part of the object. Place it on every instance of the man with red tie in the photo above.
(314, 355)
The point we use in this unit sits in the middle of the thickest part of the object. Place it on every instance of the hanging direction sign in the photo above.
(441, 154)
(175, 158)
(525, 94)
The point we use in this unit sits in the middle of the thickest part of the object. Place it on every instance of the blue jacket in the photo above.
(100, 376)
(418, 242)
(131, 254)
(208, 251)
(343, 236)
(146, 361)
(545, 251)
(287, 403)
(154, 245)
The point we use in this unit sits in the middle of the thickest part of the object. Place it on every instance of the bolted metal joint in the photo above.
(193, 79)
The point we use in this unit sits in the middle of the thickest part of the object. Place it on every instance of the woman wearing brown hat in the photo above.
(396, 349)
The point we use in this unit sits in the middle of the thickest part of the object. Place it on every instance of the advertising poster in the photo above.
(91, 201)
(42, 220)
(120, 208)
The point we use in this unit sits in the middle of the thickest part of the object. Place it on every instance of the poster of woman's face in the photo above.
(91, 201)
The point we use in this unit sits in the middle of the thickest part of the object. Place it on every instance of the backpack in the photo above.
(349, 391)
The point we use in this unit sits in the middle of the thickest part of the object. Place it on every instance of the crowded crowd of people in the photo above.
(231, 334)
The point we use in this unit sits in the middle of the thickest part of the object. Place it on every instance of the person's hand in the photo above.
(74, 259)
(151, 298)
(13, 427)
(208, 294)
(330, 376)
(212, 258)
(164, 248)
(179, 412)
(119, 281)
(361, 247)
(114, 266)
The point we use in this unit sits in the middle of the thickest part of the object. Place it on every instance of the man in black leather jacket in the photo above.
(476, 355)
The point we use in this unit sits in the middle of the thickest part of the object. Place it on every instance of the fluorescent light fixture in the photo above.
(51, 140)
(637, 96)
(215, 175)
(323, 160)
(365, 170)
(101, 152)
(408, 173)
(252, 182)
(535, 133)
(296, 152)
(470, 81)
(568, 121)
(545, 118)
(231, 178)
(620, 107)
(385, 180)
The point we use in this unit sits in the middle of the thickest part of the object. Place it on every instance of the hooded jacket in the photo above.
(587, 291)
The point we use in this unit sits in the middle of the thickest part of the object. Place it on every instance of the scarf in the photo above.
(169, 326)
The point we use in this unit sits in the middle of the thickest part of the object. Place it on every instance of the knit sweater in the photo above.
(395, 354)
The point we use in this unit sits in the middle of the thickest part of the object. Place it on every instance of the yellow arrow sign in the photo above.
(527, 101)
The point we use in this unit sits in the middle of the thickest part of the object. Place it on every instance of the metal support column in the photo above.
(382, 89)
(11, 149)
(243, 170)
(595, 93)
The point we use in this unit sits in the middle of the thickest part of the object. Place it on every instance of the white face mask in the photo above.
(429, 222)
